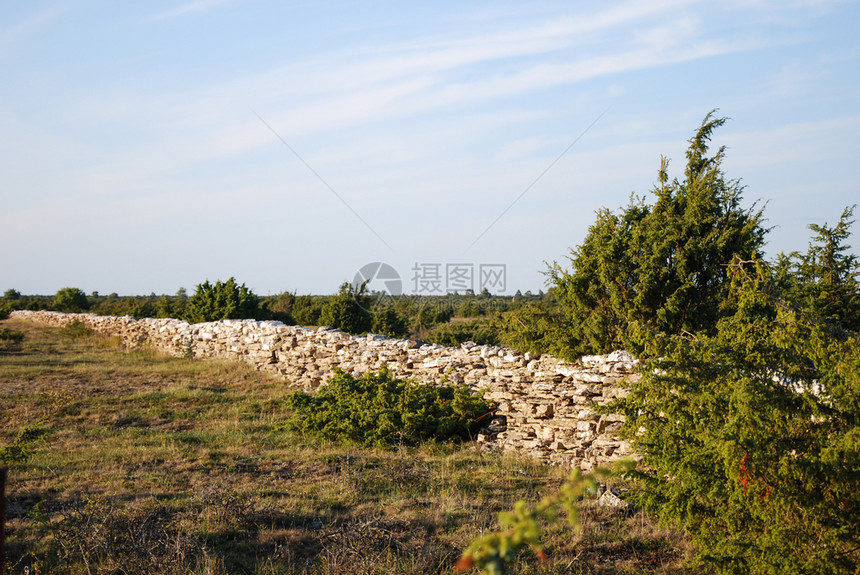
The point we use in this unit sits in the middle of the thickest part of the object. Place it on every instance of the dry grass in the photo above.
(156, 464)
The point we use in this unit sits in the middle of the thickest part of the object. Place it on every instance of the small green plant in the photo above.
(11, 335)
(76, 330)
(22, 446)
(378, 409)
(522, 529)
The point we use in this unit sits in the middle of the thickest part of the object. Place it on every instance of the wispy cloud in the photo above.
(22, 29)
(344, 89)
(339, 91)
(190, 8)
(424, 123)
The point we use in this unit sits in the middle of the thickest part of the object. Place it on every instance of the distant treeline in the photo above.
(445, 319)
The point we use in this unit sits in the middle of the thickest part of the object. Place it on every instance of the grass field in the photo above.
(140, 463)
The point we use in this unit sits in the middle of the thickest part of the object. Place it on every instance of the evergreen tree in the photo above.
(824, 280)
(750, 436)
(386, 321)
(306, 309)
(224, 300)
(348, 310)
(280, 307)
(596, 299)
(662, 267)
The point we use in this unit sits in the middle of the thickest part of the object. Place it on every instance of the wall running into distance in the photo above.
(546, 406)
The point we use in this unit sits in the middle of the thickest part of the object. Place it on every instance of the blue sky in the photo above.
(142, 144)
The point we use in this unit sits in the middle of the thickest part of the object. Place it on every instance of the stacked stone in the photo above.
(545, 406)
(552, 412)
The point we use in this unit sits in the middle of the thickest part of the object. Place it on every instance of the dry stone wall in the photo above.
(546, 406)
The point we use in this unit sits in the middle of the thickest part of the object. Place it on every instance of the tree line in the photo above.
(445, 319)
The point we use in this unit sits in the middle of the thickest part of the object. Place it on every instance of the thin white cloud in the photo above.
(17, 32)
(339, 91)
(436, 55)
(433, 132)
(190, 8)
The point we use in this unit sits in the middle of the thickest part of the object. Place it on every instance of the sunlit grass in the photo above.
(160, 464)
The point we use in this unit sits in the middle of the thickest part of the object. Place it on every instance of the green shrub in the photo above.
(306, 309)
(377, 409)
(21, 448)
(71, 300)
(224, 300)
(388, 322)
(432, 312)
(12, 335)
(348, 310)
(482, 332)
(77, 329)
(751, 437)
(280, 307)
(533, 326)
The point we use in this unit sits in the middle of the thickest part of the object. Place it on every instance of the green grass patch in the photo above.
(145, 463)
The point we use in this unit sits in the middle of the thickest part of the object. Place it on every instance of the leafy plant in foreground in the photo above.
(494, 553)
(380, 410)
(22, 446)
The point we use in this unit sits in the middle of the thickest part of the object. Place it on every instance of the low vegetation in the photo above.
(379, 410)
(138, 463)
(222, 300)
(448, 320)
